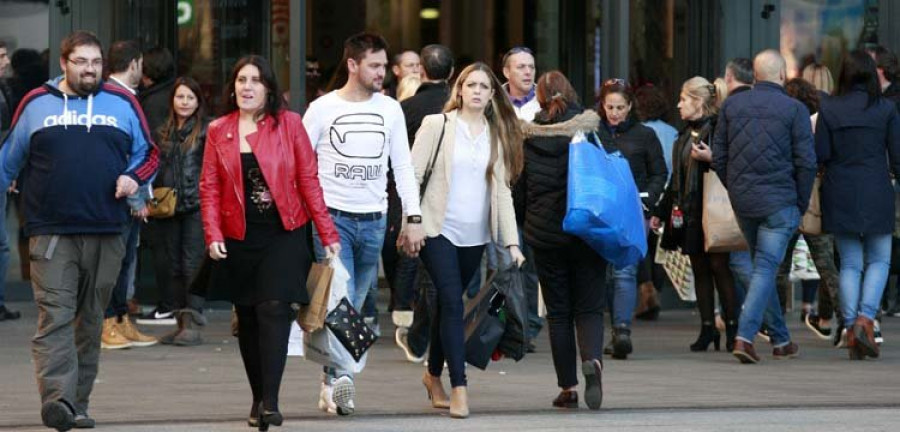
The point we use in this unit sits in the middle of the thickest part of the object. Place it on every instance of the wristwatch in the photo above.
(414, 219)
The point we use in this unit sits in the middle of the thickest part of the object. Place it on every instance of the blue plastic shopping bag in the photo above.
(603, 206)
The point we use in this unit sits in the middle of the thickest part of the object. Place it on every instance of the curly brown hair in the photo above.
(802, 90)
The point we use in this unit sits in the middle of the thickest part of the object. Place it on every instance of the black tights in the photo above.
(263, 331)
(711, 272)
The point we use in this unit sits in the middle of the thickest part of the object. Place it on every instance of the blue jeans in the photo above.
(118, 302)
(768, 238)
(741, 265)
(4, 249)
(361, 241)
(855, 249)
(621, 296)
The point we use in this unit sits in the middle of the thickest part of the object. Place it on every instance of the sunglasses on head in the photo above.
(615, 81)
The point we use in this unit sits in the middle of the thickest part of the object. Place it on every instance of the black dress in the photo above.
(270, 263)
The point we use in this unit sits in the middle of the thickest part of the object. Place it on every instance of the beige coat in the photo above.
(434, 203)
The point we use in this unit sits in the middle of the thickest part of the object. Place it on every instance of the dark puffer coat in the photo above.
(546, 175)
(641, 147)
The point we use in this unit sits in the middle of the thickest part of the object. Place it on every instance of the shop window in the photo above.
(823, 31)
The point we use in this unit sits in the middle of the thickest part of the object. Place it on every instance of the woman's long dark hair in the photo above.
(858, 68)
(168, 132)
(274, 102)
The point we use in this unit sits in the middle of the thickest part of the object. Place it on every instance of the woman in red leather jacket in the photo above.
(258, 191)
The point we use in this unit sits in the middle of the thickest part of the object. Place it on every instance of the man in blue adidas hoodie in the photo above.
(82, 146)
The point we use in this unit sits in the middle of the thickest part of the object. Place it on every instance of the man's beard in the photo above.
(82, 87)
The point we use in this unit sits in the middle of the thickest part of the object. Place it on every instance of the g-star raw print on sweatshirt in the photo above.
(70, 151)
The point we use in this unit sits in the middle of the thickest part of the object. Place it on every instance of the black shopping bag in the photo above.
(350, 329)
(510, 282)
(485, 325)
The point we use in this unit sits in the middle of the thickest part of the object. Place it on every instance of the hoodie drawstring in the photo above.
(90, 111)
(65, 109)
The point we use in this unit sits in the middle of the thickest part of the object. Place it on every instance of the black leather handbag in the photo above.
(350, 329)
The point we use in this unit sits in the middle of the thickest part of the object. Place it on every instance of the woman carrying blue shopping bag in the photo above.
(620, 130)
(571, 273)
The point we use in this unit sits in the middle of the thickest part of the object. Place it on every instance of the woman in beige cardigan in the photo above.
(474, 153)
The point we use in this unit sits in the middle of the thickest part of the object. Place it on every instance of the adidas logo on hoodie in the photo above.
(72, 118)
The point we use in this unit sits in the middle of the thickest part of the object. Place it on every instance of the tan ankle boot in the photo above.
(459, 402)
(435, 389)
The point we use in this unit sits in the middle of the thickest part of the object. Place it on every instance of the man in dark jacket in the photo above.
(412, 332)
(763, 153)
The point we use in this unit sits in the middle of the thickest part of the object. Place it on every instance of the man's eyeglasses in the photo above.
(83, 62)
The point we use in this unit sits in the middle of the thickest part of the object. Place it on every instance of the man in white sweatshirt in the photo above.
(356, 131)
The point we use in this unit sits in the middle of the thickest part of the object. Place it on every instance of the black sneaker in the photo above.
(157, 317)
(812, 322)
(839, 338)
(6, 314)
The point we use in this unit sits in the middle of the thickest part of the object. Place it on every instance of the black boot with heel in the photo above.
(708, 335)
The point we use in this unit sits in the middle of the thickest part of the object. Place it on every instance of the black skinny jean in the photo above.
(451, 267)
(712, 273)
(263, 332)
(178, 248)
(574, 289)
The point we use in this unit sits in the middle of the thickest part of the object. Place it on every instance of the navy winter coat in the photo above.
(857, 145)
(763, 151)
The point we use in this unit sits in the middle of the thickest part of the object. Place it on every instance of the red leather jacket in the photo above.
(288, 164)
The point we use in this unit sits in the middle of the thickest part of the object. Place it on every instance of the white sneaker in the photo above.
(326, 403)
(879, 339)
(402, 318)
(400, 337)
(344, 394)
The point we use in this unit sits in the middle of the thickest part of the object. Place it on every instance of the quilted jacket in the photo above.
(763, 151)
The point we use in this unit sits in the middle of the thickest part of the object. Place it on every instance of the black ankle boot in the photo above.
(708, 335)
(621, 342)
(731, 328)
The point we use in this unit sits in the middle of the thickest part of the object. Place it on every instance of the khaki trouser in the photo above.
(72, 277)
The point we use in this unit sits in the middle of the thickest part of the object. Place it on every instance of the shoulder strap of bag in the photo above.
(430, 167)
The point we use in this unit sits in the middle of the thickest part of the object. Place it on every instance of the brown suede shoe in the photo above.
(788, 351)
(744, 352)
(566, 399)
(853, 347)
(864, 331)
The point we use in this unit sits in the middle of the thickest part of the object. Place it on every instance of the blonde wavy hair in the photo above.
(506, 133)
(698, 88)
(819, 76)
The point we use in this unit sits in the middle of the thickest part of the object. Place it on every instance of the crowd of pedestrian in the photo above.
(445, 175)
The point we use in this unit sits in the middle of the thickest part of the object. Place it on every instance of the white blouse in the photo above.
(466, 222)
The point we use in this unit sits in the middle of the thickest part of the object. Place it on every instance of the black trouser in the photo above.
(573, 285)
(399, 270)
(711, 274)
(263, 332)
(178, 250)
(451, 267)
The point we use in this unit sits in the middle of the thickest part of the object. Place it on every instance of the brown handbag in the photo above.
(811, 224)
(163, 203)
(318, 285)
